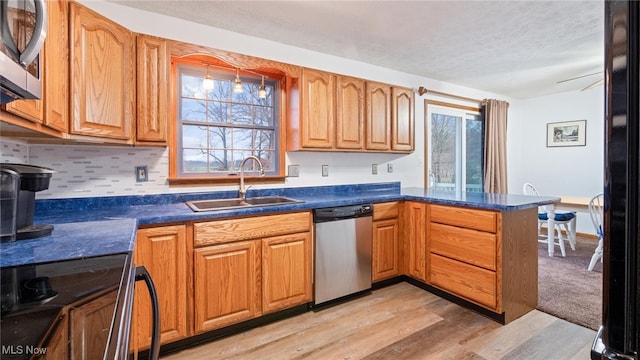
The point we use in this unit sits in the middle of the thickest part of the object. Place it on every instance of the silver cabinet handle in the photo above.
(39, 33)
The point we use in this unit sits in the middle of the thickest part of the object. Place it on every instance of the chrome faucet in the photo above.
(243, 190)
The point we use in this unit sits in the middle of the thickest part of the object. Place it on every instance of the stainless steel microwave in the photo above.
(24, 27)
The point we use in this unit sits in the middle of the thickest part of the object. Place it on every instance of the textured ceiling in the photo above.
(514, 48)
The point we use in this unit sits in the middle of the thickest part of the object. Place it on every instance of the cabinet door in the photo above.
(102, 73)
(152, 89)
(90, 327)
(415, 240)
(385, 250)
(32, 110)
(163, 253)
(318, 112)
(58, 344)
(226, 284)
(402, 135)
(350, 109)
(378, 127)
(56, 67)
(286, 271)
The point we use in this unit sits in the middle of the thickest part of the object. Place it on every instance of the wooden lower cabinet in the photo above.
(385, 255)
(385, 250)
(471, 282)
(226, 284)
(486, 257)
(286, 271)
(90, 326)
(163, 252)
(263, 266)
(58, 343)
(414, 240)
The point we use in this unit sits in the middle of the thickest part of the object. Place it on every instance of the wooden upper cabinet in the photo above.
(402, 133)
(102, 74)
(152, 89)
(318, 111)
(53, 110)
(378, 128)
(350, 109)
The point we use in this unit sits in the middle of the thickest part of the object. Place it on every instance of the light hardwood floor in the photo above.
(401, 322)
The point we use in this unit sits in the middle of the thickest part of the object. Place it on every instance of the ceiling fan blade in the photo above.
(599, 82)
(579, 77)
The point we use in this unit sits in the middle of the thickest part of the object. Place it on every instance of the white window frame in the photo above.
(461, 142)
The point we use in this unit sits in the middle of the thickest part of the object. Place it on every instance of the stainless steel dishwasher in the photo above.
(342, 251)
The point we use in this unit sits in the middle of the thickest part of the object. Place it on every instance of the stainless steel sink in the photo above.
(228, 204)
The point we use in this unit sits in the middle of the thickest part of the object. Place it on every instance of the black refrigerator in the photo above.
(618, 337)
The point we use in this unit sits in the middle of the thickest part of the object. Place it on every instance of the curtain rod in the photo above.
(422, 90)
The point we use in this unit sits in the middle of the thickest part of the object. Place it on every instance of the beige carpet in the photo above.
(566, 289)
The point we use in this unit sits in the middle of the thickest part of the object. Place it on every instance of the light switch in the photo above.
(325, 170)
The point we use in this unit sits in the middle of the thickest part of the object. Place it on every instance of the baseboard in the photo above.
(583, 235)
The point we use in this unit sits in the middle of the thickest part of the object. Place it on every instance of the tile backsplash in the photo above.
(106, 170)
(91, 170)
(13, 152)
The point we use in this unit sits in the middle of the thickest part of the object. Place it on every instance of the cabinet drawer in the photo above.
(483, 220)
(223, 231)
(386, 210)
(468, 281)
(471, 246)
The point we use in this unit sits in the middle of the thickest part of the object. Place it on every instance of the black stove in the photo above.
(64, 308)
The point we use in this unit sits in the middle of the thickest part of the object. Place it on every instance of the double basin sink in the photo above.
(237, 203)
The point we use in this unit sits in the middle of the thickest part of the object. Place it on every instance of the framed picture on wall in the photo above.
(567, 133)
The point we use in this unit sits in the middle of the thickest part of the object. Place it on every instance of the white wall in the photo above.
(104, 170)
(556, 171)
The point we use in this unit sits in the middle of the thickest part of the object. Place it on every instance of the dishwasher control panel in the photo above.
(342, 212)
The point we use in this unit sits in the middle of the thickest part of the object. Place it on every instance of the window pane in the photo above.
(263, 116)
(245, 97)
(194, 161)
(220, 160)
(241, 114)
(243, 139)
(474, 155)
(218, 112)
(192, 87)
(443, 150)
(193, 110)
(268, 159)
(265, 139)
(219, 137)
(221, 90)
(194, 136)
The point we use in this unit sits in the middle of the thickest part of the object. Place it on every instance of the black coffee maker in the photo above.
(20, 182)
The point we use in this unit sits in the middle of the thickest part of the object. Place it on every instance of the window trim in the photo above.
(175, 178)
(429, 104)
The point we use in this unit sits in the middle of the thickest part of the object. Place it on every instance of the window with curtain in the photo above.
(217, 128)
(455, 148)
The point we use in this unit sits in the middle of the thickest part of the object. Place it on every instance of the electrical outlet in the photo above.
(142, 174)
(325, 170)
(389, 167)
(374, 169)
(293, 170)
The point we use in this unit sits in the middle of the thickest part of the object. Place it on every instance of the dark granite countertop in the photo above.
(86, 227)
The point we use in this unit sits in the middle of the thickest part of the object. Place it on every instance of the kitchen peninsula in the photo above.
(477, 249)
